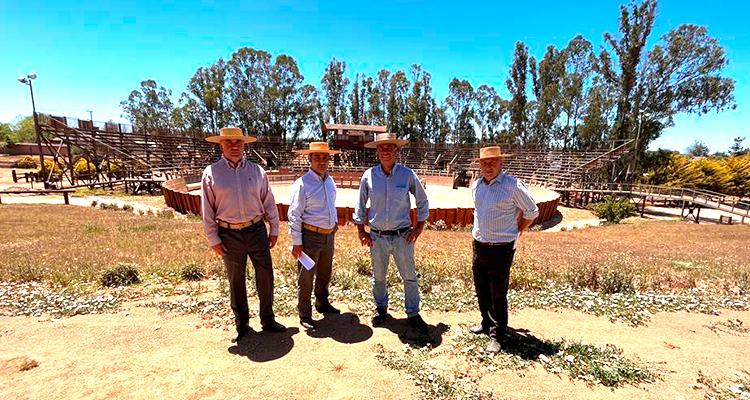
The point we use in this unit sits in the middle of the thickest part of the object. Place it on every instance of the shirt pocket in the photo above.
(401, 195)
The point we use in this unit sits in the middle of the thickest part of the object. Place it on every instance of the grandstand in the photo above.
(160, 155)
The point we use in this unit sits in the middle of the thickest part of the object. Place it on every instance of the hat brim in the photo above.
(497, 156)
(397, 142)
(219, 138)
(306, 152)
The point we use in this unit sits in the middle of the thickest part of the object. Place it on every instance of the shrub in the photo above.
(107, 206)
(127, 207)
(613, 209)
(166, 213)
(94, 203)
(26, 162)
(48, 166)
(114, 168)
(84, 167)
(192, 272)
(120, 275)
(616, 282)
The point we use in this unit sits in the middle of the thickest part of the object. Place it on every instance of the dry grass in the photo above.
(64, 244)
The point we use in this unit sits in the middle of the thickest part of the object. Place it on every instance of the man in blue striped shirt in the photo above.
(312, 225)
(503, 209)
(387, 186)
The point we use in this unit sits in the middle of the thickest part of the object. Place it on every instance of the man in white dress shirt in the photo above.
(312, 225)
(503, 209)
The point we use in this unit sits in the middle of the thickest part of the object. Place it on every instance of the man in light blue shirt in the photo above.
(503, 209)
(312, 225)
(387, 186)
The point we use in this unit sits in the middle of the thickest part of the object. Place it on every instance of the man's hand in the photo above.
(272, 241)
(364, 238)
(413, 234)
(296, 250)
(219, 249)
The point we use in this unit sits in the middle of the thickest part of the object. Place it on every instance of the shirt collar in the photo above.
(382, 172)
(228, 164)
(316, 176)
(498, 179)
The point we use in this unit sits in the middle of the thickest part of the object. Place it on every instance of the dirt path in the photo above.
(139, 354)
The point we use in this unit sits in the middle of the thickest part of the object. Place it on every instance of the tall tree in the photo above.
(418, 105)
(697, 149)
(290, 105)
(460, 102)
(736, 148)
(208, 86)
(579, 60)
(354, 103)
(516, 85)
(149, 109)
(248, 76)
(547, 86)
(485, 97)
(398, 90)
(334, 84)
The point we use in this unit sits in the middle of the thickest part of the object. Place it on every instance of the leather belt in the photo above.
(391, 233)
(495, 244)
(316, 229)
(239, 225)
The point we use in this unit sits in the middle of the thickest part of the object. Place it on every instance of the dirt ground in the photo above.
(139, 354)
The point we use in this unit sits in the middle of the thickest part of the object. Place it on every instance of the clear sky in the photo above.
(90, 54)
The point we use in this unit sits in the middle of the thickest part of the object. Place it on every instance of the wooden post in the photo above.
(65, 196)
(698, 216)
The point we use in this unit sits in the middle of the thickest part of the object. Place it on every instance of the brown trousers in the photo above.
(253, 242)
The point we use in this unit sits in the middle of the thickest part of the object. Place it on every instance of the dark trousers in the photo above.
(253, 242)
(491, 269)
(320, 248)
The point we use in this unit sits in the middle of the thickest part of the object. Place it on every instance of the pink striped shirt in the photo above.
(236, 195)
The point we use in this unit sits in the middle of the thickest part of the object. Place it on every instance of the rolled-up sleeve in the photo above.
(423, 204)
(360, 206)
(525, 202)
(296, 207)
(208, 210)
(270, 208)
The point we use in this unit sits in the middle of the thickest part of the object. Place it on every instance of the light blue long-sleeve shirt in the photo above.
(389, 198)
(497, 205)
(312, 201)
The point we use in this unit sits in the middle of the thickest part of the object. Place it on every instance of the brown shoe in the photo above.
(274, 327)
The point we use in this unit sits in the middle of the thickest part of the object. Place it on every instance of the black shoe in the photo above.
(418, 323)
(274, 327)
(479, 330)
(307, 323)
(327, 309)
(493, 346)
(239, 334)
(379, 317)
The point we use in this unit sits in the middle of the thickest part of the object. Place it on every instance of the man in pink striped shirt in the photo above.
(236, 201)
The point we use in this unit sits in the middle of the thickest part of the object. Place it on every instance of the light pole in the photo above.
(27, 81)
(91, 117)
(641, 113)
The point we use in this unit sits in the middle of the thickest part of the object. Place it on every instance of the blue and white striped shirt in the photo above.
(497, 205)
(389, 198)
(312, 201)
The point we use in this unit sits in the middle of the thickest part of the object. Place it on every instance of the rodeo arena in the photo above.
(139, 162)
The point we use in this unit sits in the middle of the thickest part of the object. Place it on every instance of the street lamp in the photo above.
(27, 81)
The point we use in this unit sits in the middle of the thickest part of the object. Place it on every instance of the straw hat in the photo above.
(231, 134)
(385, 138)
(491, 152)
(317, 147)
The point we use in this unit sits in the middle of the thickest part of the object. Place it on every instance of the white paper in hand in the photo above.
(306, 261)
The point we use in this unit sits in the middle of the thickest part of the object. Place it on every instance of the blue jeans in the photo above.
(403, 255)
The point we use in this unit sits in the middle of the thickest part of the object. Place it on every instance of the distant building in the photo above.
(352, 137)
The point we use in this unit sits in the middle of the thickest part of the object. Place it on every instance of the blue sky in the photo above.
(89, 55)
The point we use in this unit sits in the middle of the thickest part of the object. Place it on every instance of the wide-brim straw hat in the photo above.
(385, 138)
(491, 152)
(231, 134)
(317, 147)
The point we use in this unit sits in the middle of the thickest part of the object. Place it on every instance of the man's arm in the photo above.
(529, 210)
(360, 211)
(296, 207)
(208, 213)
(271, 210)
(423, 208)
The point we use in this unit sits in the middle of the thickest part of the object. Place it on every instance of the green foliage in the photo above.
(613, 209)
(27, 162)
(122, 274)
(698, 149)
(191, 272)
(113, 168)
(729, 175)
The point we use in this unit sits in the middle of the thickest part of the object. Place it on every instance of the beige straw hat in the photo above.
(385, 138)
(317, 147)
(231, 134)
(491, 152)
